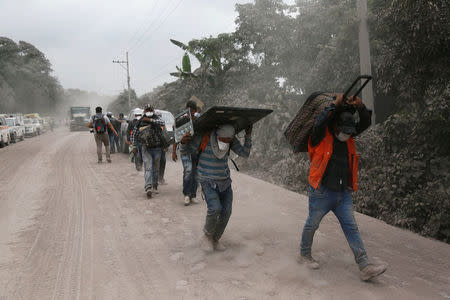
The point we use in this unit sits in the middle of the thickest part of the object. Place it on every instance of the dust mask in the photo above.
(343, 136)
(149, 114)
(222, 146)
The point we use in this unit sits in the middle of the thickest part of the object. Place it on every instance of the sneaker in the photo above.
(207, 244)
(108, 160)
(187, 200)
(310, 262)
(155, 191)
(218, 246)
(149, 193)
(371, 271)
(194, 201)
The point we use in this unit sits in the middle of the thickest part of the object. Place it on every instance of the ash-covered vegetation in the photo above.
(279, 54)
(26, 81)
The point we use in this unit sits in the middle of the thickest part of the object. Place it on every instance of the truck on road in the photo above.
(79, 117)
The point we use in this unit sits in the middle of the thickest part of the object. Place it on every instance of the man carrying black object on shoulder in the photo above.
(213, 150)
(332, 177)
(151, 147)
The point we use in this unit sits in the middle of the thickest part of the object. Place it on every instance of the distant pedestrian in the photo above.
(100, 124)
(137, 114)
(113, 138)
(214, 176)
(148, 132)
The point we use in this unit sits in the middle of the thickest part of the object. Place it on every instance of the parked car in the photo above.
(4, 132)
(30, 127)
(16, 130)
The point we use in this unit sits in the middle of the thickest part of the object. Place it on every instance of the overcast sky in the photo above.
(82, 37)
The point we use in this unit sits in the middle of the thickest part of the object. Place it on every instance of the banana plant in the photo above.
(185, 71)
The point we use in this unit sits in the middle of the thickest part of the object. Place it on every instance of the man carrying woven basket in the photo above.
(333, 176)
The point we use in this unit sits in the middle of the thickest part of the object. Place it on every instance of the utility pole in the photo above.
(364, 56)
(127, 68)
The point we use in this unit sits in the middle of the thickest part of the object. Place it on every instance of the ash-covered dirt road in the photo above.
(74, 229)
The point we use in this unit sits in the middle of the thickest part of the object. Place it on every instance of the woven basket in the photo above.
(298, 131)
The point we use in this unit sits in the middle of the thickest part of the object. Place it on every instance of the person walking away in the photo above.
(332, 177)
(148, 132)
(188, 160)
(116, 124)
(99, 122)
(213, 149)
(137, 114)
(122, 121)
(111, 135)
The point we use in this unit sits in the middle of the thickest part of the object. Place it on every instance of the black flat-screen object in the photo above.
(239, 117)
(183, 123)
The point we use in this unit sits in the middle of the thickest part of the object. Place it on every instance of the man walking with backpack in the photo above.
(99, 122)
(147, 132)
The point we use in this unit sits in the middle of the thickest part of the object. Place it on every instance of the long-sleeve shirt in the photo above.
(336, 175)
(209, 166)
(155, 119)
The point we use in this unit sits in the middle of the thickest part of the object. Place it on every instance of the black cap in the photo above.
(148, 107)
(346, 123)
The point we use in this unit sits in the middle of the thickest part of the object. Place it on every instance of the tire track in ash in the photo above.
(68, 278)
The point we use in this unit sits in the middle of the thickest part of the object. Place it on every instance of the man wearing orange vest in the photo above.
(333, 175)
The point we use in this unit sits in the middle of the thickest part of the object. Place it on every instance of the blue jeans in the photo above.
(321, 201)
(151, 157)
(111, 142)
(138, 156)
(190, 181)
(219, 205)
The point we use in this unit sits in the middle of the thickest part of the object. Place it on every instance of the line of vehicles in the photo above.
(15, 127)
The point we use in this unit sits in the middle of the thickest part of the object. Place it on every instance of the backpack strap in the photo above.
(204, 143)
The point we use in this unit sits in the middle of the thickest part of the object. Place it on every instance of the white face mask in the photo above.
(343, 136)
(149, 114)
(222, 146)
(196, 115)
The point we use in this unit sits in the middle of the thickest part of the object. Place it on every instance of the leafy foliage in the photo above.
(279, 54)
(26, 83)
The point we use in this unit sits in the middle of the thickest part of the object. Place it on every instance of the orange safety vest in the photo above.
(320, 156)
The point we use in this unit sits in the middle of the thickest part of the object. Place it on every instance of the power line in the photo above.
(142, 41)
(149, 26)
(145, 23)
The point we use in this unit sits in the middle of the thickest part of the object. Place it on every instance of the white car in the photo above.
(4, 132)
(167, 117)
(30, 127)
(16, 130)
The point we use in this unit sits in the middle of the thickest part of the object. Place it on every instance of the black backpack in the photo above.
(150, 136)
(99, 124)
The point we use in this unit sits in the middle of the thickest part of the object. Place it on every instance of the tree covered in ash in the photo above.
(26, 83)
